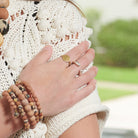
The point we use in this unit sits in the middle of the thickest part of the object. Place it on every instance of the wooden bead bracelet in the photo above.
(24, 104)
(30, 91)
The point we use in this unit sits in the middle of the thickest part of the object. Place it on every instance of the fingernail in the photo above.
(47, 47)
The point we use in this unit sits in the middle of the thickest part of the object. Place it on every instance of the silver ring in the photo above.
(80, 72)
(76, 63)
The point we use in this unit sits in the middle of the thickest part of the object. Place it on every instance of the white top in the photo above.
(54, 22)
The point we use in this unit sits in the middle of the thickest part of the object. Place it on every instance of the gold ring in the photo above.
(66, 59)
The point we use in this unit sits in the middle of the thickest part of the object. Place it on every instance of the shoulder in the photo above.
(59, 16)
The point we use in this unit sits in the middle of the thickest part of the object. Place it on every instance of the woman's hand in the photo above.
(55, 84)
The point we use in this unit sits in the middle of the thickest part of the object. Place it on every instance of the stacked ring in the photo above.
(66, 58)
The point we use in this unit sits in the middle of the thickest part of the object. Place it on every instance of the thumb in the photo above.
(43, 56)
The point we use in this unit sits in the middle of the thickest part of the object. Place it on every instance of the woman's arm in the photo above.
(85, 128)
(8, 125)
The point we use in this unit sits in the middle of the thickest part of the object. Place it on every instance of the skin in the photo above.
(86, 127)
(43, 79)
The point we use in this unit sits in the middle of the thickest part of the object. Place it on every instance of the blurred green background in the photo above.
(116, 46)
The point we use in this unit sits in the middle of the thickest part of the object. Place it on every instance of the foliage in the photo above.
(120, 40)
(116, 74)
(109, 94)
(93, 17)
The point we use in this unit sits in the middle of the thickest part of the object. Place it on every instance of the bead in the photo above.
(15, 99)
(32, 118)
(4, 3)
(32, 107)
(41, 118)
(40, 114)
(25, 121)
(20, 107)
(31, 103)
(3, 13)
(24, 102)
(26, 126)
(10, 93)
(18, 103)
(30, 113)
(25, 93)
(21, 110)
(21, 88)
(27, 96)
(16, 114)
(30, 100)
(23, 113)
(13, 95)
(37, 103)
(24, 117)
(21, 96)
(14, 107)
(36, 113)
(40, 111)
(1, 40)
(27, 107)
(4, 27)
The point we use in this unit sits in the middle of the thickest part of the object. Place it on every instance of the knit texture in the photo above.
(32, 26)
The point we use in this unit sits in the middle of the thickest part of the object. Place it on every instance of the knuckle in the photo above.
(91, 87)
(71, 71)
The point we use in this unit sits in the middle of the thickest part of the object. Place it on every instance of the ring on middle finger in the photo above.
(76, 63)
(66, 59)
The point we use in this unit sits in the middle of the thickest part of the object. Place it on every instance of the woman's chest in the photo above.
(22, 41)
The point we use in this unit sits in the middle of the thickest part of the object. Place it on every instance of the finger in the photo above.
(84, 61)
(85, 91)
(86, 77)
(43, 56)
(74, 53)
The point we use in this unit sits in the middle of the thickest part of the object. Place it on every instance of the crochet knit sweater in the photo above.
(32, 26)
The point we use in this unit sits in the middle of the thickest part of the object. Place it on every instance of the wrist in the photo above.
(12, 124)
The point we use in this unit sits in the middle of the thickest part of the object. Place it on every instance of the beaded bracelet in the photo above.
(31, 101)
(13, 106)
(30, 91)
(26, 105)
(19, 111)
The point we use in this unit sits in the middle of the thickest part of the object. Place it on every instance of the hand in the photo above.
(55, 84)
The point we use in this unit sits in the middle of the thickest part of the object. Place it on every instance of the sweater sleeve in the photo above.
(61, 25)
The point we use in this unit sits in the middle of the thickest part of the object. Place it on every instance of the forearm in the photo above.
(85, 128)
(8, 124)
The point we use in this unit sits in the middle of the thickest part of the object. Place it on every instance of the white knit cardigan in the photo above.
(32, 26)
